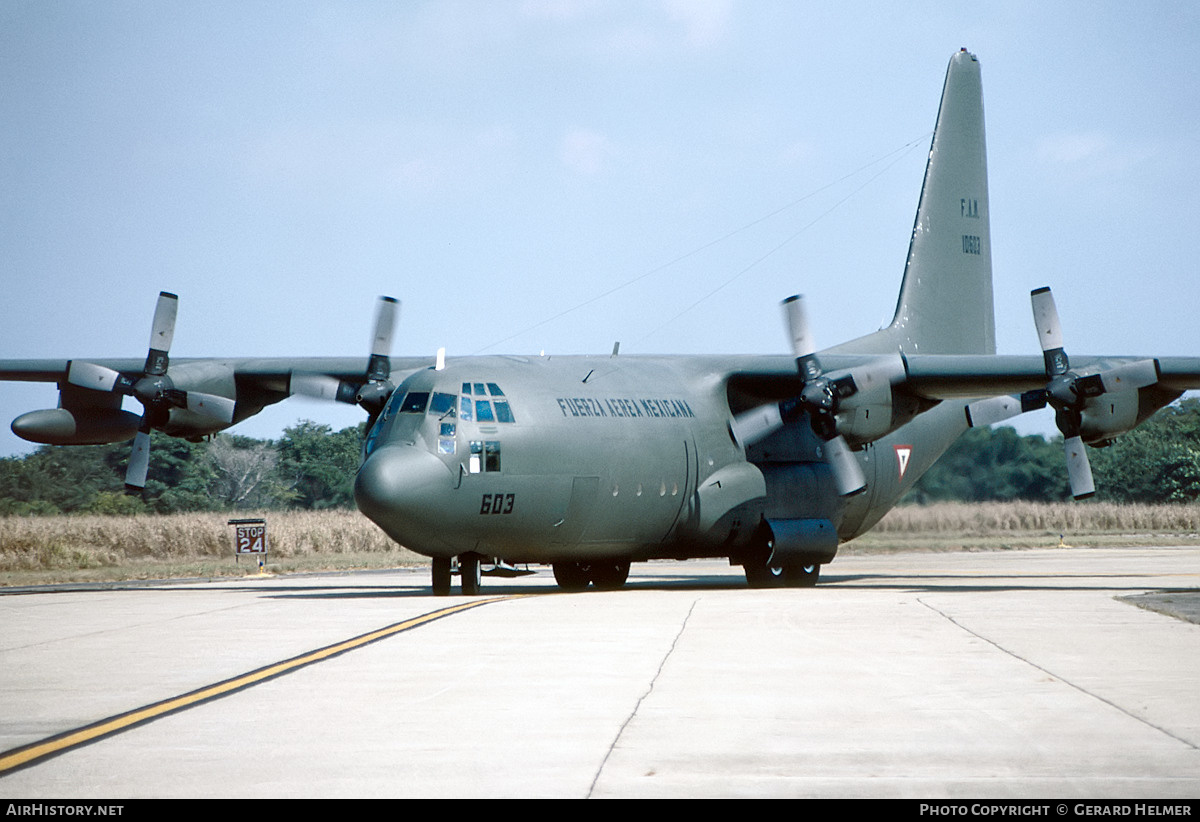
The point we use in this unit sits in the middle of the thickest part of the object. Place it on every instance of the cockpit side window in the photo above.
(415, 402)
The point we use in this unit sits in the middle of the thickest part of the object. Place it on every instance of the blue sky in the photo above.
(548, 175)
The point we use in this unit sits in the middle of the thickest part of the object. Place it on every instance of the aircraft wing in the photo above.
(268, 372)
(951, 376)
(198, 396)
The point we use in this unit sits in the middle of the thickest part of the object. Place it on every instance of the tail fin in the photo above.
(945, 304)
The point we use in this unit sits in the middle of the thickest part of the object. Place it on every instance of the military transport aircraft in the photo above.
(591, 463)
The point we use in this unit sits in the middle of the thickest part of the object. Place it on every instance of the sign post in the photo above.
(250, 537)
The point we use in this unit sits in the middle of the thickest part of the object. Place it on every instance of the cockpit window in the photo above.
(443, 404)
(483, 402)
(415, 402)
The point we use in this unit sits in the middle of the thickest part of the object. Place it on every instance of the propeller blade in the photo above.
(139, 461)
(95, 377)
(847, 473)
(162, 332)
(385, 323)
(798, 330)
(323, 387)
(211, 405)
(1133, 375)
(1079, 470)
(379, 367)
(1050, 336)
(756, 424)
(982, 413)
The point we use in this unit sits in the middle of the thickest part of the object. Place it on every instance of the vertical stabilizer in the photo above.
(945, 304)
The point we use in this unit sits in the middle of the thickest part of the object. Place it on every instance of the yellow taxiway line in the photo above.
(60, 743)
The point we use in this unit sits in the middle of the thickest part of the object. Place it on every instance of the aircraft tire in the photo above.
(572, 577)
(761, 575)
(441, 576)
(801, 576)
(609, 576)
(470, 574)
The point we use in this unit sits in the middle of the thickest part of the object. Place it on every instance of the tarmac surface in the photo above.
(1025, 674)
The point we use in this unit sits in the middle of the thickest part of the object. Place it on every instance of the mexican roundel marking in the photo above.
(903, 452)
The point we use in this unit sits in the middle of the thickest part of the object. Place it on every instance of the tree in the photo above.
(1156, 462)
(318, 466)
(245, 472)
(986, 464)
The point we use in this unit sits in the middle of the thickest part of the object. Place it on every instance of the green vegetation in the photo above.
(1157, 462)
(311, 467)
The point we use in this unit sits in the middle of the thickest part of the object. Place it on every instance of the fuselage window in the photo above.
(484, 456)
(447, 444)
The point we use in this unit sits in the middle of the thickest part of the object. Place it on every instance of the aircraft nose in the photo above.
(398, 487)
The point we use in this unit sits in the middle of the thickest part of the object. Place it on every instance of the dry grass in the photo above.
(40, 550)
(998, 525)
(72, 548)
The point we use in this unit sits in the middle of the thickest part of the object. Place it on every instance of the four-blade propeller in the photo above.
(152, 387)
(374, 389)
(820, 397)
(1066, 392)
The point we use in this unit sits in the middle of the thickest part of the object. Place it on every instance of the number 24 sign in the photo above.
(250, 537)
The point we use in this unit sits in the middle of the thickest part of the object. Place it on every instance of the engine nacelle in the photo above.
(871, 412)
(1115, 412)
(79, 426)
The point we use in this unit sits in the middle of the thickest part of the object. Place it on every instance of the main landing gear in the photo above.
(603, 575)
(760, 574)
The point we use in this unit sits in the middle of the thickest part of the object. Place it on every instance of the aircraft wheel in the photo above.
(801, 576)
(572, 576)
(609, 576)
(761, 575)
(470, 574)
(441, 576)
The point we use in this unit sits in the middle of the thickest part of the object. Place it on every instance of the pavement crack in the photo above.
(1060, 678)
(649, 690)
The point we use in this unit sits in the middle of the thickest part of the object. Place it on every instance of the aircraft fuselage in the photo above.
(548, 459)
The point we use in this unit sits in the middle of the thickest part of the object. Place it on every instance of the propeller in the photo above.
(373, 391)
(1066, 392)
(820, 396)
(152, 387)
